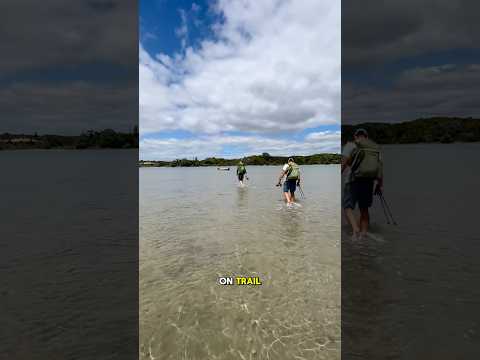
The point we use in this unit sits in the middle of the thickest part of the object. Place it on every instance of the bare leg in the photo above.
(353, 222)
(288, 197)
(364, 220)
(292, 196)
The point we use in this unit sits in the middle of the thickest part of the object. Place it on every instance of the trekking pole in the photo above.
(383, 208)
(279, 185)
(388, 209)
(301, 191)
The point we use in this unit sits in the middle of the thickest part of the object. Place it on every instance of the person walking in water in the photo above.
(291, 172)
(241, 172)
(363, 160)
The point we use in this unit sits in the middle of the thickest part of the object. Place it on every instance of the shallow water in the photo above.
(68, 254)
(410, 291)
(196, 224)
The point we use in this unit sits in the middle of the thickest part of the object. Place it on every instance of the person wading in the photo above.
(241, 172)
(363, 159)
(291, 172)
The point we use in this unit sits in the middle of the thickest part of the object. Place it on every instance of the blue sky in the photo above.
(160, 19)
(234, 78)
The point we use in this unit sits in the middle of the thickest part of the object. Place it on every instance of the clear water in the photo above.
(414, 285)
(196, 224)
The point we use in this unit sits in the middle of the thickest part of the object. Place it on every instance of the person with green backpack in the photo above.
(365, 165)
(241, 172)
(291, 172)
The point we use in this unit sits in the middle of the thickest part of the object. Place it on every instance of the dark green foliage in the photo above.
(431, 130)
(106, 139)
(249, 160)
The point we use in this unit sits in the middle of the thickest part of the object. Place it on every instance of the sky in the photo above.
(263, 74)
(407, 60)
(69, 67)
(232, 78)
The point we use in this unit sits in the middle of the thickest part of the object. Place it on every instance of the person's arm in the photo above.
(282, 174)
(345, 163)
(347, 156)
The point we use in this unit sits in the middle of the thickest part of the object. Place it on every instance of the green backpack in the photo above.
(241, 169)
(366, 160)
(293, 172)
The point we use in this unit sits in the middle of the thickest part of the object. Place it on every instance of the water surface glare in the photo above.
(196, 224)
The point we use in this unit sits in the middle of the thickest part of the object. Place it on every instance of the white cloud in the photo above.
(68, 108)
(444, 90)
(196, 7)
(381, 31)
(274, 66)
(323, 136)
(212, 145)
(60, 33)
(182, 31)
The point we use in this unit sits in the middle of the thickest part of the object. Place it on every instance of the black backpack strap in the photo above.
(357, 157)
(289, 170)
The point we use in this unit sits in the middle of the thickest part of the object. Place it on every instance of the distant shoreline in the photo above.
(63, 149)
(433, 130)
(264, 159)
(232, 168)
(105, 139)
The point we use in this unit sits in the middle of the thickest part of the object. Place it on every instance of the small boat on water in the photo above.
(223, 168)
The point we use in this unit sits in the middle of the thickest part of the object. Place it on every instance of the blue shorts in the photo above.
(358, 191)
(290, 185)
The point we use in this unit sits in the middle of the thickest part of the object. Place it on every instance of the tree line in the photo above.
(264, 159)
(425, 130)
(105, 139)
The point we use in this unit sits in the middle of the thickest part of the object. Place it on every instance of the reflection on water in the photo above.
(197, 225)
(410, 286)
(242, 196)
